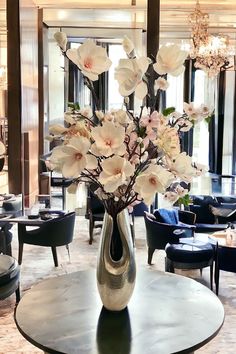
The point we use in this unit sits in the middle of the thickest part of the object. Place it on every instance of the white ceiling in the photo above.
(107, 13)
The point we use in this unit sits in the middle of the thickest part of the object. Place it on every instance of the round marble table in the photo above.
(167, 314)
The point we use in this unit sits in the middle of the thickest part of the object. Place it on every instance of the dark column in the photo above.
(14, 98)
(153, 31)
(40, 82)
(234, 129)
(220, 131)
(153, 27)
(189, 77)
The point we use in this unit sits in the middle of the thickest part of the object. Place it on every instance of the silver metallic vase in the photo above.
(116, 270)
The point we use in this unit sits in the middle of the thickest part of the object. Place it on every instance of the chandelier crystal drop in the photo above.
(211, 53)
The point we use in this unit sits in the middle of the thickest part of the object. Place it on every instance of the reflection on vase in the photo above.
(114, 332)
(116, 270)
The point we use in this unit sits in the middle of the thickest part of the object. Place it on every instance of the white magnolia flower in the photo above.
(184, 124)
(90, 58)
(182, 167)
(115, 170)
(171, 197)
(121, 117)
(129, 75)
(109, 139)
(61, 39)
(56, 129)
(86, 112)
(181, 191)
(168, 141)
(128, 45)
(69, 117)
(205, 110)
(161, 84)
(72, 189)
(99, 115)
(200, 168)
(72, 158)
(169, 60)
(155, 179)
(189, 108)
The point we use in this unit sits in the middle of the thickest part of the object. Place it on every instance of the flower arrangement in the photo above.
(128, 157)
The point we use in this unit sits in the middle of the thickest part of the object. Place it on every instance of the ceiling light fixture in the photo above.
(211, 53)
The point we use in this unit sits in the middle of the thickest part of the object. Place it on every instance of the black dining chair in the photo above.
(55, 180)
(94, 211)
(225, 260)
(160, 232)
(9, 277)
(52, 233)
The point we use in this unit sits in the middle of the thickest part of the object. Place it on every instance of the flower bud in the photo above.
(128, 45)
(61, 39)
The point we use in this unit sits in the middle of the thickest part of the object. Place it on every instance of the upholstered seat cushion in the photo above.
(14, 204)
(205, 228)
(167, 216)
(9, 269)
(194, 252)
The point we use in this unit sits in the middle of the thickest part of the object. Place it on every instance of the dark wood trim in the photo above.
(15, 147)
(221, 109)
(153, 27)
(188, 96)
(234, 128)
(40, 81)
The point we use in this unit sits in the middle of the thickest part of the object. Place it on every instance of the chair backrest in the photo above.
(158, 234)
(203, 214)
(226, 259)
(94, 205)
(61, 229)
(167, 216)
(52, 233)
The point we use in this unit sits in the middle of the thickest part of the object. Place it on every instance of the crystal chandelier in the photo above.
(211, 53)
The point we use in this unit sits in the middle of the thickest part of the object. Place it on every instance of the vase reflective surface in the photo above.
(116, 269)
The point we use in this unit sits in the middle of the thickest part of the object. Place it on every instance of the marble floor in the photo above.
(38, 265)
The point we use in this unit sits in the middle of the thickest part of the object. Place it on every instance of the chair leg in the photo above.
(169, 266)
(17, 292)
(9, 250)
(68, 250)
(91, 226)
(20, 253)
(201, 272)
(211, 276)
(217, 279)
(150, 254)
(132, 234)
(54, 253)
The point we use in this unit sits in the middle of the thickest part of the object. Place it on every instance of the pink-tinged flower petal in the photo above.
(143, 63)
(141, 90)
(61, 39)
(72, 167)
(169, 60)
(91, 162)
(57, 129)
(91, 59)
(128, 169)
(128, 45)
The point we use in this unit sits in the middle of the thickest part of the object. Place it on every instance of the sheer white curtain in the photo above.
(200, 131)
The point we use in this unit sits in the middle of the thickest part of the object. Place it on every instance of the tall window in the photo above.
(174, 93)
(200, 131)
(82, 93)
(115, 100)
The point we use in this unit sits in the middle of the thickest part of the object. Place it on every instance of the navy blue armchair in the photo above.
(167, 226)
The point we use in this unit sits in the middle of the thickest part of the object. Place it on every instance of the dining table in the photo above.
(167, 313)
